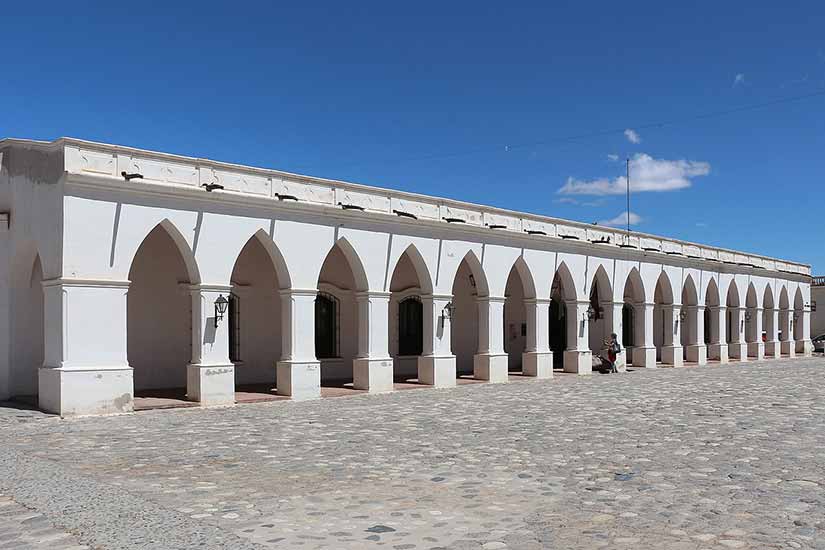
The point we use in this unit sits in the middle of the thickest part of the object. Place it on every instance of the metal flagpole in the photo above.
(628, 200)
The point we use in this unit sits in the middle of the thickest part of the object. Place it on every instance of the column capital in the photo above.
(537, 301)
(290, 292)
(86, 283)
(366, 294)
(202, 287)
(691, 307)
(717, 308)
(493, 299)
(577, 302)
(443, 297)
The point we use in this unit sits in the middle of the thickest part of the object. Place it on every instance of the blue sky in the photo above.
(474, 101)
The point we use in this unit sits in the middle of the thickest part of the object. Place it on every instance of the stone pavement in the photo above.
(696, 458)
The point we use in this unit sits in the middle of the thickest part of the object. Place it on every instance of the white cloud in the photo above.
(738, 79)
(566, 200)
(647, 174)
(612, 157)
(632, 136)
(621, 220)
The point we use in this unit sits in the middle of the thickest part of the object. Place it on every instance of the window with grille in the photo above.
(234, 324)
(410, 326)
(326, 326)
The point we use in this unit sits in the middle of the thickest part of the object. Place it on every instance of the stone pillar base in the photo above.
(673, 355)
(697, 353)
(299, 380)
(644, 358)
(74, 391)
(438, 371)
(738, 350)
(578, 362)
(772, 350)
(537, 363)
(756, 350)
(788, 347)
(492, 367)
(211, 384)
(621, 361)
(373, 375)
(718, 352)
(805, 348)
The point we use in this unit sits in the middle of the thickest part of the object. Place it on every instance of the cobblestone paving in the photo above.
(695, 458)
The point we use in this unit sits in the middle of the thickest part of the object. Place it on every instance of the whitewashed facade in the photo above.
(109, 285)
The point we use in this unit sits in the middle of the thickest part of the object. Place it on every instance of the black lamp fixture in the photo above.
(221, 304)
(447, 312)
(748, 316)
(682, 315)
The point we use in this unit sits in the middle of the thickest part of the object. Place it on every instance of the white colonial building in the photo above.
(125, 271)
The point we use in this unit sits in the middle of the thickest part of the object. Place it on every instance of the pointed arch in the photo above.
(751, 298)
(275, 256)
(767, 298)
(732, 298)
(422, 271)
(690, 296)
(784, 303)
(636, 285)
(712, 296)
(566, 282)
(602, 279)
(359, 273)
(182, 246)
(526, 276)
(482, 287)
(665, 287)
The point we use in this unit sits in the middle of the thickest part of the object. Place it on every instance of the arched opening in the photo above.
(663, 322)
(28, 340)
(561, 291)
(770, 321)
(406, 321)
(633, 297)
(159, 315)
(468, 286)
(798, 312)
(336, 315)
(601, 307)
(712, 335)
(254, 316)
(753, 323)
(731, 303)
(515, 318)
(689, 320)
(787, 347)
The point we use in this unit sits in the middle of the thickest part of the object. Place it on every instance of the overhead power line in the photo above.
(606, 132)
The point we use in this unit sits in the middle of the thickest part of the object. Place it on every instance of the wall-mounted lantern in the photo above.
(795, 315)
(748, 316)
(447, 312)
(220, 308)
(472, 281)
(682, 315)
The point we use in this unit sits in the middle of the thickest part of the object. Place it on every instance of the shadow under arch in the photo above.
(359, 273)
(419, 265)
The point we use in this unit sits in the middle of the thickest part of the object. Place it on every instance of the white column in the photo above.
(490, 363)
(787, 344)
(85, 370)
(210, 378)
(644, 354)
(615, 325)
(696, 350)
(672, 353)
(578, 357)
(738, 348)
(772, 348)
(436, 365)
(718, 348)
(372, 368)
(756, 347)
(804, 346)
(537, 359)
(298, 371)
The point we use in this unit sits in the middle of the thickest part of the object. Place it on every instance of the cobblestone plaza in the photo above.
(708, 457)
